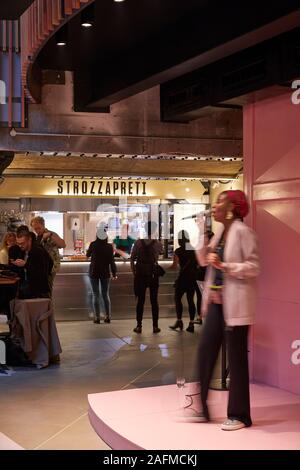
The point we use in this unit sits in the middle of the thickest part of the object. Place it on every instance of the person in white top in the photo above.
(9, 240)
(228, 305)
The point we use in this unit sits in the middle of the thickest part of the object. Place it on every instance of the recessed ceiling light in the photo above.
(118, 0)
(62, 36)
(88, 16)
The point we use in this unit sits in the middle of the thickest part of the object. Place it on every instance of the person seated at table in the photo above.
(37, 265)
(123, 244)
(8, 241)
(7, 292)
(15, 251)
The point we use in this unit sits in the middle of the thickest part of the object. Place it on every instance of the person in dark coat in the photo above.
(185, 283)
(36, 264)
(102, 269)
(144, 266)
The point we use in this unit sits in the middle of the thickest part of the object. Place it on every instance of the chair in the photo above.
(38, 334)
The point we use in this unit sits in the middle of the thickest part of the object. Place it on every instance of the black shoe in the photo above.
(190, 328)
(55, 359)
(177, 324)
(198, 321)
(97, 320)
(106, 319)
(137, 329)
(156, 329)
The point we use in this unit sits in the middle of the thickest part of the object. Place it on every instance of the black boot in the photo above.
(138, 329)
(190, 328)
(177, 324)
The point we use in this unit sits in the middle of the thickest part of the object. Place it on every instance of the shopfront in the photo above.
(75, 207)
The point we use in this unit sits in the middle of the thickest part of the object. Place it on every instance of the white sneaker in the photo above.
(232, 425)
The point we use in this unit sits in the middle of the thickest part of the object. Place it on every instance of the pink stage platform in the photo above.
(147, 418)
(8, 444)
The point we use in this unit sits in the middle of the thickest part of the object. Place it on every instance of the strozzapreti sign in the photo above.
(101, 188)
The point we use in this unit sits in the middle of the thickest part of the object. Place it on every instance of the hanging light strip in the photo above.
(125, 178)
(188, 157)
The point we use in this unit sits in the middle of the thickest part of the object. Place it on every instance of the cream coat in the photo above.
(241, 267)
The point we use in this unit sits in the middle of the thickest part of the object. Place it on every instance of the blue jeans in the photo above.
(100, 288)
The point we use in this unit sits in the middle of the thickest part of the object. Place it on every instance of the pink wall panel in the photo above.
(272, 181)
(274, 356)
(280, 258)
(276, 139)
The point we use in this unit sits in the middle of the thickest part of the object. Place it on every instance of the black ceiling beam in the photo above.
(271, 63)
(5, 160)
(13, 9)
(136, 47)
(188, 48)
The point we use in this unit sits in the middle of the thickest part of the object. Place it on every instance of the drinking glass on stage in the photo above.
(180, 382)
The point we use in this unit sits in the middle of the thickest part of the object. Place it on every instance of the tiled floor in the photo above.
(47, 409)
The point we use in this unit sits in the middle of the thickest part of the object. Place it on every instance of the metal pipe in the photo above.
(14, 133)
(10, 74)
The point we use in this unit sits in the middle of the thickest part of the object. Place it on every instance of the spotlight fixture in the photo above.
(61, 37)
(118, 1)
(88, 16)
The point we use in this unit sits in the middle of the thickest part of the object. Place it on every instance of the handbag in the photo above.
(160, 270)
(147, 265)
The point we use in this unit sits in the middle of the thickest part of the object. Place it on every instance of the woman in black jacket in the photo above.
(102, 268)
(185, 283)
